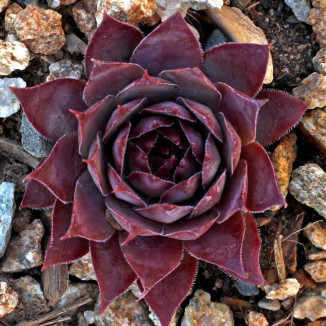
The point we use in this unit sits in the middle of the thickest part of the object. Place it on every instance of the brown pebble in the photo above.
(236, 304)
(304, 279)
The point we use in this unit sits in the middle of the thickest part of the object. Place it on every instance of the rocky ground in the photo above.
(43, 40)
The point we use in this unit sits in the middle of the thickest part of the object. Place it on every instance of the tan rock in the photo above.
(84, 20)
(134, 12)
(83, 268)
(10, 16)
(8, 299)
(257, 319)
(317, 18)
(4, 4)
(40, 30)
(317, 254)
(55, 4)
(313, 124)
(282, 290)
(282, 158)
(304, 279)
(319, 61)
(316, 233)
(319, 3)
(317, 270)
(312, 91)
(268, 304)
(239, 28)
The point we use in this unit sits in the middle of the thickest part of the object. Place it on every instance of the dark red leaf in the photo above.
(163, 49)
(175, 136)
(186, 167)
(147, 141)
(137, 159)
(165, 171)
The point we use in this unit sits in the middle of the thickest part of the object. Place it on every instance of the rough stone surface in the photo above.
(319, 61)
(202, 311)
(311, 305)
(282, 290)
(83, 268)
(313, 124)
(239, 28)
(308, 187)
(246, 289)
(84, 20)
(4, 4)
(300, 8)
(317, 18)
(131, 11)
(7, 210)
(74, 44)
(32, 141)
(125, 310)
(13, 55)
(257, 319)
(9, 104)
(24, 250)
(316, 233)
(304, 279)
(268, 304)
(216, 38)
(319, 3)
(282, 158)
(40, 30)
(317, 254)
(65, 68)
(317, 270)
(55, 4)
(312, 91)
(10, 16)
(8, 299)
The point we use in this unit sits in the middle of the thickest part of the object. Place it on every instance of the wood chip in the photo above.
(279, 259)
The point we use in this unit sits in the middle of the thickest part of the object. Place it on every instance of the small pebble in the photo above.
(300, 8)
(282, 290)
(90, 316)
(55, 4)
(83, 268)
(4, 4)
(84, 20)
(319, 3)
(268, 304)
(7, 210)
(10, 16)
(65, 68)
(74, 44)
(304, 279)
(21, 220)
(216, 38)
(317, 270)
(316, 233)
(319, 61)
(246, 289)
(315, 254)
(317, 18)
(257, 319)
(8, 299)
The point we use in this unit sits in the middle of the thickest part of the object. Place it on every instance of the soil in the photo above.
(293, 47)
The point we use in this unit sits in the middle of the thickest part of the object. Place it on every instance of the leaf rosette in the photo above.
(158, 159)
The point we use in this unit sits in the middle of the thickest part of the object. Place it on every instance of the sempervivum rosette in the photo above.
(158, 159)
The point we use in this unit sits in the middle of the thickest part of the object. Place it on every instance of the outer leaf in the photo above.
(37, 196)
(176, 286)
(194, 85)
(61, 169)
(263, 189)
(112, 41)
(233, 64)
(113, 273)
(63, 251)
(221, 245)
(163, 50)
(109, 78)
(278, 115)
(88, 217)
(241, 111)
(47, 106)
(152, 258)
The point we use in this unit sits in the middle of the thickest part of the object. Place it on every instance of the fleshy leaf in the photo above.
(137, 159)
(183, 190)
(175, 136)
(96, 164)
(186, 167)
(194, 85)
(241, 110)
(63, 251)
(263, 188)
(154, 89)
(205, 115)
(131, 221)
(91, 121)
(241, 65)
(231, 149)
(152, 258)
(165, 213)
(191, 229)
(148, 141)
(122, 115)
(166, 169)
(37, 196)
(235, 193)
(163, 49)
(61, 169)
(47, 106)
(112, 41)
(277, 116)
(175, 288)
(109, 78)
(88, 216)
(221, 245)
(212, 195)
(121, 190)
(113, 273)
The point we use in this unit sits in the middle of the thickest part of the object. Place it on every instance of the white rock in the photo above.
(9, 104)
(13, 55)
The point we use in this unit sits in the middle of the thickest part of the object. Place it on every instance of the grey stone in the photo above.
(33, 142)
(83, 268)
(216, 38)
(9, 104)
(268, 304)
(300, 8)
(246, 289)
(74, 44)
(7, 210)
(241, 4)
(65, 68)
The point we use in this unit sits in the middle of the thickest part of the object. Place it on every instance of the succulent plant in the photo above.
(158, 160)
